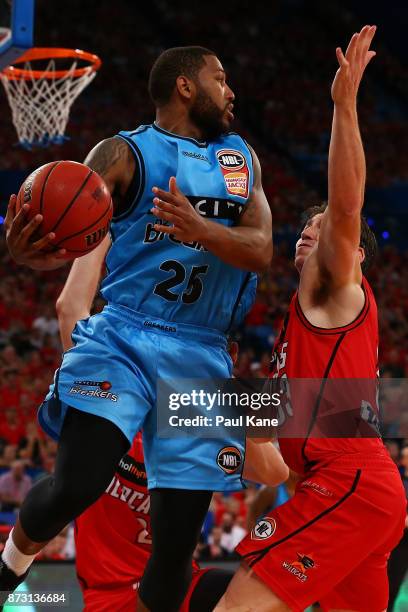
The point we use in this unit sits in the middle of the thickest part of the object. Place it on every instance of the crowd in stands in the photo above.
(284, 111)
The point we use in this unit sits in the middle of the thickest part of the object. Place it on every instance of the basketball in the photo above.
(75, 203)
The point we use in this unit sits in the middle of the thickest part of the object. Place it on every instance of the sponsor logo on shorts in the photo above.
(160, 326)
(317, 488)
(229, 459)
(105, 385)
(102, 392)
(265, 528)
(299, 568)
(235, 171)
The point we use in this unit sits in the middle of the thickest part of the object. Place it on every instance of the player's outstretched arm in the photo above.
(75, 300)
(339, 236)
(264, 463)
(247, 246)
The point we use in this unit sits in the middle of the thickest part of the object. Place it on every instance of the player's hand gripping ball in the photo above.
(75, 203)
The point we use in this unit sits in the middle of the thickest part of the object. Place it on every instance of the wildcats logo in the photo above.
(299, 568)
(235, 171)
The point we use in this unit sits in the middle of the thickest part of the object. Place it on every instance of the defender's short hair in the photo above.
(367, 238)
(172, 63)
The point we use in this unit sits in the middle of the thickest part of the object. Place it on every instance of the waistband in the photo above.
(366, 460)
(170, 328)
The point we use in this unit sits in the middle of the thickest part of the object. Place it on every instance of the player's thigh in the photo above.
(247, 593)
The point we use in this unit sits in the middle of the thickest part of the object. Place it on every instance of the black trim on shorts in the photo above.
(57, 373)
(319, 397)
(260, 554)
(234, 310)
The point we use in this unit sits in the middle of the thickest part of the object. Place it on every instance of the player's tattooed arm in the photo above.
(247, 246)
(113, 160)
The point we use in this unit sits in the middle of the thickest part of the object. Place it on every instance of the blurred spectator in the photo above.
(214, 549)
(9, 455)
(394, 450)
(11, 425)
(47, 322)
(232, 533)
(14, 486)
(30, 446)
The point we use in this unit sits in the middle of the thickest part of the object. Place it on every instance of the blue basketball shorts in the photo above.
(112, 371)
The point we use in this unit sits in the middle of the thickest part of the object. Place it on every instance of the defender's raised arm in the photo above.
(339, 237)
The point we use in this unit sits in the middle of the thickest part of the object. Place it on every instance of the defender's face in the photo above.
(308, 240)
(213, 105)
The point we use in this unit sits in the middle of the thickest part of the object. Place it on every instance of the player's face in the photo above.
(212, 108)
(307, 241)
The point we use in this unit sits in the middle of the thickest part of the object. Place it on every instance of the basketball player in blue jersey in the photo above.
(191, 227)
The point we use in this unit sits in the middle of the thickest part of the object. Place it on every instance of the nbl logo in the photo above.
(229, 459)
(265, 528)
(230, 160)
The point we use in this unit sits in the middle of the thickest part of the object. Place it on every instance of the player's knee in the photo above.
(75, 496)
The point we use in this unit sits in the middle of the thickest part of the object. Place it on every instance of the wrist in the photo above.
(347, 107)
(205, 232)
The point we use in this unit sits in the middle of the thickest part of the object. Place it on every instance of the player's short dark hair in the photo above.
(368, 241)
(172, 63)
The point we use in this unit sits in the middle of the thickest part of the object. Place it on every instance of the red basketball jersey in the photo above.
(304, 351)
(112, 536)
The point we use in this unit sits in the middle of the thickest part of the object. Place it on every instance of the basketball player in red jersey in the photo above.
(112, 536)
(113, 545)
(330, 542)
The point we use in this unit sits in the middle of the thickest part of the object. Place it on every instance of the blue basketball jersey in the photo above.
(154, 273)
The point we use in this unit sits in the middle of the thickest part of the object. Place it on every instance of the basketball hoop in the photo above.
(41, 98)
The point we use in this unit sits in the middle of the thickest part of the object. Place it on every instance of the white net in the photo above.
(40, 106)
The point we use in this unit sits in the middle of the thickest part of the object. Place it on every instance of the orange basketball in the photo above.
(75, 203)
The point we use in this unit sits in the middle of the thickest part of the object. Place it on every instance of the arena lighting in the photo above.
(370, 221)
(1, 220)
(385, 235)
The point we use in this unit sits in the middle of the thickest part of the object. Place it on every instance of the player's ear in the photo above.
(361, 254)
(185, 87)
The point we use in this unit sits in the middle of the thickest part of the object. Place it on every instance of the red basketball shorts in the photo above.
(123, 599)
(330, 543)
